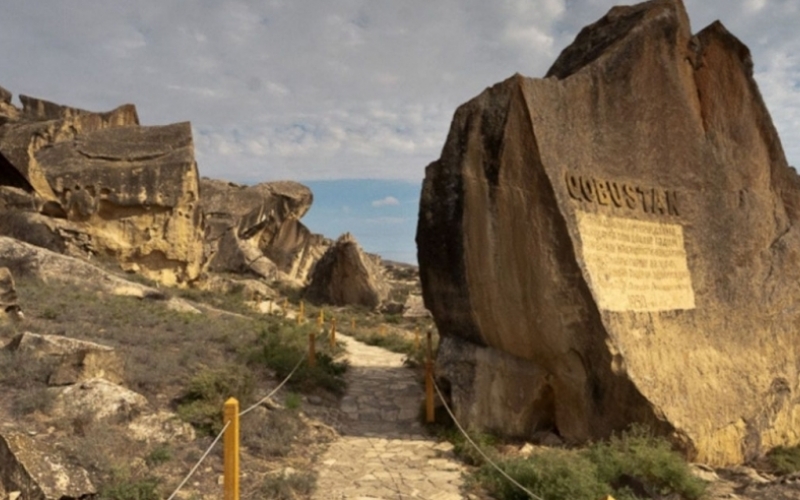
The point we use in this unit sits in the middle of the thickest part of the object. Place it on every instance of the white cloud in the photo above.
(323, 90)
(385, 202)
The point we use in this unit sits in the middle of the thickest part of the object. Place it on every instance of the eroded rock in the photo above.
(346, 275)
(97, 399)
(628, 227)
(38, 471)
(257, 229)
(73, 360)
(116, 188)
(9, 304)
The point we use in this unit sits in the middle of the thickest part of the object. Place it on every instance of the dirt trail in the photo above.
(383, 452)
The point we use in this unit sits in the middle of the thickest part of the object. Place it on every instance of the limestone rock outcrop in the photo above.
(9, 304)
(628, 229)
(98, 183)
(257, 229)
(37, 471)
(346, 275)
(72, 360)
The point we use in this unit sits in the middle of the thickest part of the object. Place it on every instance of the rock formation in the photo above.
(347, 275)
(98, 183)
(9, 304)
(618, 243)
(257, 229)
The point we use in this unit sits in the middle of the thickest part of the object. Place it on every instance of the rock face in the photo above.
(628, 228)
(347, 275)
(9, 306)
(72, 360)
(38, 472)
(99, 183)
(257, 229)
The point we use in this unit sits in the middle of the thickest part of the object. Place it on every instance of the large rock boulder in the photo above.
(37, 471)
(98, 183)
(71, 360)
(257, 229)
(346, 275)
(628, 227)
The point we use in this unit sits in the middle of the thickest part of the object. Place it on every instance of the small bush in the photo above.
(553, 475)
(122, 487)
(784, 460)
(202, 401)
(288, 486)
(32, 400)
(159, 455)
(272, 436)
(633, 465)
(637, 454)
(281, 346)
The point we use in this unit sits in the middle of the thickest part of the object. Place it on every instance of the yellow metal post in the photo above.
(312, 349)
(231, 453)
(285, 307)
(301, 313)
(333, 333)
(383, 330)
(429, 413)
(321, 318)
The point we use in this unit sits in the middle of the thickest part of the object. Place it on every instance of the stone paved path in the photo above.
(383, 452)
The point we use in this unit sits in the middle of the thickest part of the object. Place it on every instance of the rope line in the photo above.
(254, 406)
(222, 432)
(486, 457)
(216, 439)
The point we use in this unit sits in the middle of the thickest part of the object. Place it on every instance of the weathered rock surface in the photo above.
(73, 360)
(628, 228)
(97, 399)
(257, 229)
(114, 187)
(38, 472)
(9, 304)
(347, 275)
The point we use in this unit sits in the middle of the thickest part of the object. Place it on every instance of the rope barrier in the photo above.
(254, 406)
(216, 440)
(486, 457)
(222, 432)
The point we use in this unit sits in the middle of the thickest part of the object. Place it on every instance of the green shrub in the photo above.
(122, 487)
(272, 436)
(649, 460)
(281, 346)
(784, 460)
(288, 486)
(202, 401)
(158, 455)
(553, 475)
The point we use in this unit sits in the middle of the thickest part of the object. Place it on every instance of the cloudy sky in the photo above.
(332, 92)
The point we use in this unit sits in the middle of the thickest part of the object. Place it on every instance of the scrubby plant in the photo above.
(648, 461)
(288, 486)
(124, 487)
(202, 401)
(632, 465)
(784, 460)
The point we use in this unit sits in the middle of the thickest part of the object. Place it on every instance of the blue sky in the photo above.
(319, 90)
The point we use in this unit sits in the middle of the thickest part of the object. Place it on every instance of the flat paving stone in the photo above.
(381, 454)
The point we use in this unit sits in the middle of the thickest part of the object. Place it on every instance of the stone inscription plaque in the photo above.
(635, 265)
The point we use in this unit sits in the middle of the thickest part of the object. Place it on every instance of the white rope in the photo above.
(216, 439)
(228, 423)
(486, 457)
(253, 407)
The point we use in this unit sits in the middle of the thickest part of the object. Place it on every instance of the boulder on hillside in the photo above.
(72, 360)
(257, 229)
(98, 183)
(346, 275)
(9, 304)
(628, 228)
(97, 399)
(38, 471)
